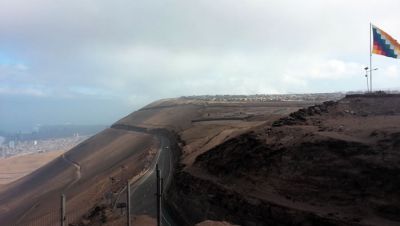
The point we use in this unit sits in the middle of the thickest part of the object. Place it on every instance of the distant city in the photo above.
(46, 138)
(312, 97)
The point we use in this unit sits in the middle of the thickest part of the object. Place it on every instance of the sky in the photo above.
(94, 61)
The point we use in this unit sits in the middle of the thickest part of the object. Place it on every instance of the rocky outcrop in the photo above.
(295, 173)
(299, 117)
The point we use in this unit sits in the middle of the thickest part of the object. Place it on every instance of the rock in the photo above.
(215, 223)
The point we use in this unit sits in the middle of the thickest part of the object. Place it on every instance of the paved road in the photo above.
(143, 199)
(143, 192)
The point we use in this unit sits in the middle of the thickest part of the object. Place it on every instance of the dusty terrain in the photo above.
(333, 164)
(240, 163)
(91, 173)
(15, 167)
(202, 126)
(214, 223)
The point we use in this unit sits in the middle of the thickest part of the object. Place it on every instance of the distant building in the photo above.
(11, 144)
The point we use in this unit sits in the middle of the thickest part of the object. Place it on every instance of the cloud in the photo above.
(133, 52)
(22, 91)
(321, 69)
(392, 72)
(8, 70)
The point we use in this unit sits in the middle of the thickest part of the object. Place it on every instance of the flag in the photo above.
(384, 44)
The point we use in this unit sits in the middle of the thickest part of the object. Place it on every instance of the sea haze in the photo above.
(24, 113)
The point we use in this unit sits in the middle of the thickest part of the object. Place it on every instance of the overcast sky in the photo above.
(94, 61)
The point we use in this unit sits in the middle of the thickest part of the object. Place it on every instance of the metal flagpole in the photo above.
(370, 57)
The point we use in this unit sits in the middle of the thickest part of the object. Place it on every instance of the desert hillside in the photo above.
(18, 166)
(234, 162)
(87, 174)
(199, 125)
(337, 163)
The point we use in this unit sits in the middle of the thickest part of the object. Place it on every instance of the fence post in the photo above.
(128, 203)
(62, 212)
(158, 196)
(162, 186)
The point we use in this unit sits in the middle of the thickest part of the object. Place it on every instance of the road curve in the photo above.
(143, 198)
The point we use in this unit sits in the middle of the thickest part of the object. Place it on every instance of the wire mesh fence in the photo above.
(111, 194)
(53, 218)
(110, 200)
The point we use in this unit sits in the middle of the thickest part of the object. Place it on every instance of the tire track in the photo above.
(77, 172)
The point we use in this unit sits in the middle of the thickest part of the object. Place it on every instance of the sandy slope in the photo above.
(214, 223)
(18, 166)
(84, 174)
(333, 164)
(100, 165)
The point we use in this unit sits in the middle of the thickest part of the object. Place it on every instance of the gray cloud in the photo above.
(132, 52)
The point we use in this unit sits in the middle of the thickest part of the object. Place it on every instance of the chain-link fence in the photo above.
(112, 200)
(52, 218)
(110, 195)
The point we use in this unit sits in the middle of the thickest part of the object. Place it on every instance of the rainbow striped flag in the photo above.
(384, 44)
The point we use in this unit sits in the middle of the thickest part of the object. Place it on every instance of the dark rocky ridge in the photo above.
(316, 167)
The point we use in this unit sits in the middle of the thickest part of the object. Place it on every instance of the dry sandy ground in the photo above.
(87, 174)
(18, 166)
(334, 164)
(144, 220)
(203, 126)
(100, 165)
(214, 223)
